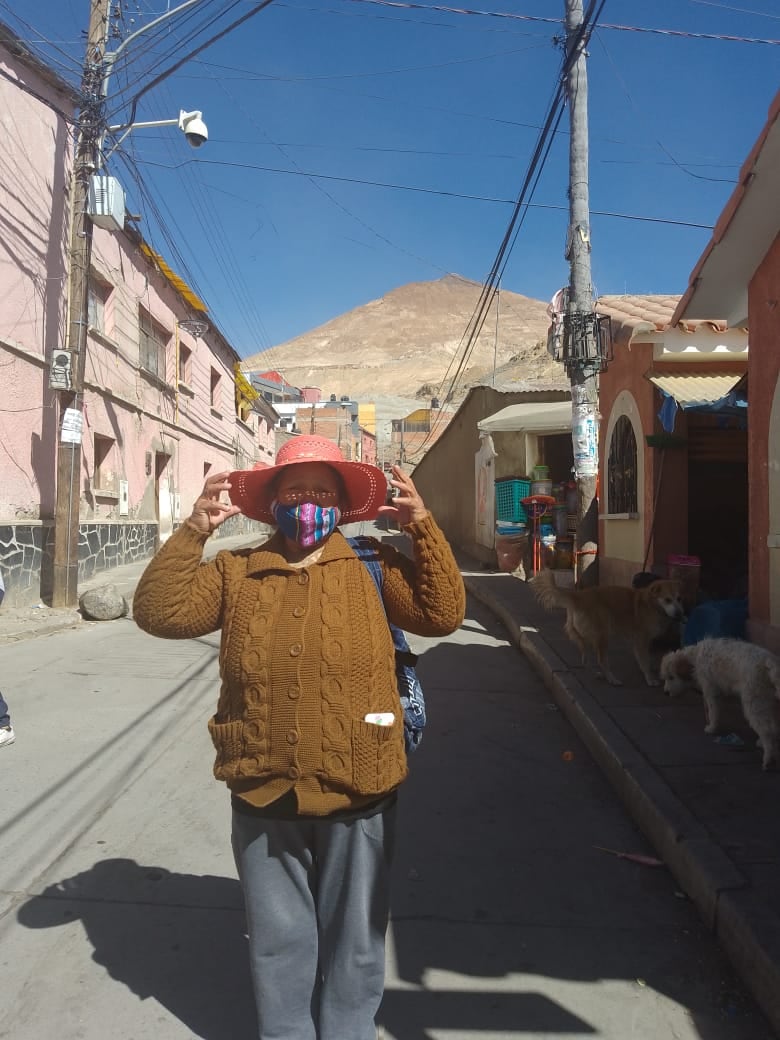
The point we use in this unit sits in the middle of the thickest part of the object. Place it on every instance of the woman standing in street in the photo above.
(309, 728)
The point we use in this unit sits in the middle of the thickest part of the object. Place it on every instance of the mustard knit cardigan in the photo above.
(305, 655)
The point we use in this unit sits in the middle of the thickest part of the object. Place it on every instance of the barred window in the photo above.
(97, 297)
(153, 342)
(621, 469)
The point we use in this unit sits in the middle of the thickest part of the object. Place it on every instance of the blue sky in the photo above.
(343, 135)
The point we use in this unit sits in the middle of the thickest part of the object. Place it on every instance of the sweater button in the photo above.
(293, 736)
(295, 650)
(303, 578)
(294, 693)
(299, 612)
(293, 772)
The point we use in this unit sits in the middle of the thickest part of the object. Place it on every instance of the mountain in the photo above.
(408, 344)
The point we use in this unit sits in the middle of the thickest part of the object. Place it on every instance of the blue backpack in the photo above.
(412, 698)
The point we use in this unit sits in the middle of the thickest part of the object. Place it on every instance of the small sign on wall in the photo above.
(124, 498)
(72, 424)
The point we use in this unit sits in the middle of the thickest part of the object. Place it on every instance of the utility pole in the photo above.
(582, 355)
(89, 130)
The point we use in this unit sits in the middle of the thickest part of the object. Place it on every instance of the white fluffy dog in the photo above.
(722, 668)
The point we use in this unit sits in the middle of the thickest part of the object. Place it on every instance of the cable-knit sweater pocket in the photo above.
(228, 739)
(378, 757)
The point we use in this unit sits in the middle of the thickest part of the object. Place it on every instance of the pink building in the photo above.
(164, 399)
(367, 446)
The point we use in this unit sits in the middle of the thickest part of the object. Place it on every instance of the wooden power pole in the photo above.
(89, 130)
(581, 323)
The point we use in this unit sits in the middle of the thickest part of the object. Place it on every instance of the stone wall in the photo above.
(26, 552)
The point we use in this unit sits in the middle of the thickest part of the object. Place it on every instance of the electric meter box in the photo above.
(106, 202)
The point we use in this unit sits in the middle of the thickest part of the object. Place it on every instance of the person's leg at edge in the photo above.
(7, 735)
(353, 906)
(275, 862)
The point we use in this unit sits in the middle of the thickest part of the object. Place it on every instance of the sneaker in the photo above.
(7, 735)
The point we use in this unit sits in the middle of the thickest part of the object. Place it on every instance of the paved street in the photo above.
(121, 914)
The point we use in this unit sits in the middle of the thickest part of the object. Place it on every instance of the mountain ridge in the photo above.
(409, 343)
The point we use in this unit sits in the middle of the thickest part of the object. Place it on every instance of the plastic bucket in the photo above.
(541, 487)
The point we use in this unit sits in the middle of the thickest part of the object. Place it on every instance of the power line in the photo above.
(214, 233)
(680, 166)
(179, 34)
(736, 10)
(722, 37)
(188, 57)
(70, 65)
(530, 182)
(417, 188)
(39, 97)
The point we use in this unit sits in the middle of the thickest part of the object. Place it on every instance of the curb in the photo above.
(721, 893)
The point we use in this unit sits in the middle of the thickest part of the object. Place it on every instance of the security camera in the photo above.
(195, 130)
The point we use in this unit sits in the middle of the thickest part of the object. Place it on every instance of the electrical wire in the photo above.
(416, 188)
(326, 194)
(737, 10)
(71, 65)
(214, 233)
(680, 166)
(190, 55)
(70, 119)
(531, 180)
(176, 36)
(683, 34)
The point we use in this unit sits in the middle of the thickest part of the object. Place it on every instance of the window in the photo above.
(621, 469)
(184, 374)
(215, 390)
(104, 479)
(153, 342)
(97, 297)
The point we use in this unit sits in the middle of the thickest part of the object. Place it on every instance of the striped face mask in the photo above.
(306, 523)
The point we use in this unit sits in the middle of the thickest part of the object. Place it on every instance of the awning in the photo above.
(530, 417)
(698, 393)
(689, 391)
(178, 283)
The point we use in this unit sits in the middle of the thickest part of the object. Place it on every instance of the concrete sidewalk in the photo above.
(708, 809)
(17, 623)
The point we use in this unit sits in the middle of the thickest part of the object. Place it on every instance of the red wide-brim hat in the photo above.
(365, 486)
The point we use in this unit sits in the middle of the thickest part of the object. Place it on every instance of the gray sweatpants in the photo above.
(317, 902)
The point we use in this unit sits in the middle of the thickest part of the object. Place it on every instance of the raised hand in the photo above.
(408, 506)
(210, 510)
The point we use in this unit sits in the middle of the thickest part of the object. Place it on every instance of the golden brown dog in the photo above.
(592, 615)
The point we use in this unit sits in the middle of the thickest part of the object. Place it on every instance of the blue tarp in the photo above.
(733, 404)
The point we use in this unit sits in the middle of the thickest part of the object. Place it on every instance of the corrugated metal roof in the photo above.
(690, 390)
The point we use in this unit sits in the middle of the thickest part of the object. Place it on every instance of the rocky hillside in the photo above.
(408, 344)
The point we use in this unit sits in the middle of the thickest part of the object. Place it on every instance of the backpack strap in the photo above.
(365, 550)
(409, 688)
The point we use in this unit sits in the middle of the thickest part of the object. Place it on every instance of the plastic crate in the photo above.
(509, 499)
